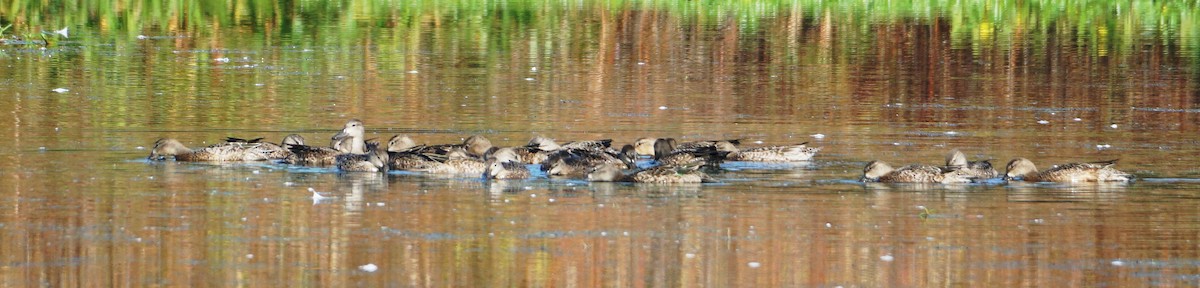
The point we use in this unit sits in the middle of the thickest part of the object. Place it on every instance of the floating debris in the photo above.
(754, 264)
(1118, 263)
(62, 32)
(1077, 119)
(887, 258)
(60, 90)
(316, 196)
(368, 268)
(1043, 122)
(1114, 126)
(818, 136)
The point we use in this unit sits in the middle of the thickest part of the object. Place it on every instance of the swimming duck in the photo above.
(879, 171)
(1023, 169)
(784, 153)
(656, 174)
(536, 152)
(227, 151)
(318, 156)
(405, 155)
(981, 169)
(474, 146)
(707, 157)
(357, 134)
(375, 160)
(702, 144)
(576, 162)
(504, 165)
(272, 150)
(547, 144)
(456, 162)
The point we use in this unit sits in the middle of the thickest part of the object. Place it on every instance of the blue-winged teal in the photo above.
(656, 174)
(272, 150)
(227, 151)
(474, 146)
(576, 162)
(704, 144)
(981, 169)
(405, 155)
(355, 131)
(549, 145)
(707, 157)
(504, 165)
(879, 171)
(1023, 169)
(456, 162)
(318, 156)
(375, 160)
(783, 153)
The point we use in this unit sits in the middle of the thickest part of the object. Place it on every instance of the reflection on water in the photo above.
(83, 207)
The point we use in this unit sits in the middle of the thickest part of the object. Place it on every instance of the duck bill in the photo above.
(340, 136)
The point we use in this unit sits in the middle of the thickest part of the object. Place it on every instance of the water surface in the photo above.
(1048, 81)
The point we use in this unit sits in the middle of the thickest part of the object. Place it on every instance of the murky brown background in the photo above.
(82, 207)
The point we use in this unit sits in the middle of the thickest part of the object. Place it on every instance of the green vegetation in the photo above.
(971, 20)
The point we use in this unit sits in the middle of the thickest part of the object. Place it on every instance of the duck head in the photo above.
(874, 170)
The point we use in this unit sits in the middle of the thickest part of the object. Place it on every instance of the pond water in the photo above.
(82, 206)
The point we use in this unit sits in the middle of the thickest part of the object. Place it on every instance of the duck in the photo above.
(1022, 169)
(273, 151)
(503, 165)
(305, 155)
(356, 132)
(879, 171)
(783, 153)
(981, 169)
(220, 152)
(405, 155)
(576, 162)
(702, 144)
(707, 157)
(474, 146)
(549, 145)
(374, 160)
(455, 162)
(663, 174)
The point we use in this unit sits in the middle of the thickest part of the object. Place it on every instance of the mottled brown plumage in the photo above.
(879, 171)
(981, 169)
(657, 174)
(227, 151)
(1023, 169)
(783, 153)
(375, 160)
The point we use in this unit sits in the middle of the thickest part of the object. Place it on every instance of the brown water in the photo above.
(82, 207)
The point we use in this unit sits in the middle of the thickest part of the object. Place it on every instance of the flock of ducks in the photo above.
(959, 170)
(594, 160)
